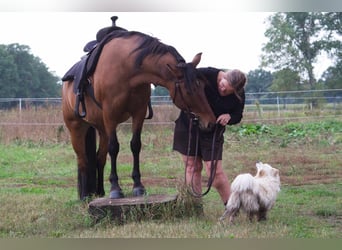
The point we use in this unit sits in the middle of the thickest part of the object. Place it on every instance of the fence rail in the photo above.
(281, 100)
(285, 101)
(40, 119)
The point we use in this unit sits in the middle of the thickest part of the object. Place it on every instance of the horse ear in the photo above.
(197, 59)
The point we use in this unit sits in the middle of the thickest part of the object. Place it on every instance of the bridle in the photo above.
(179, 90)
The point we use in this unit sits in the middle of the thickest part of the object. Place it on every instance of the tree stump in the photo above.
(132, 208)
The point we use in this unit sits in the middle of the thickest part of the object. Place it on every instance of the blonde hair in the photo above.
(238, 81)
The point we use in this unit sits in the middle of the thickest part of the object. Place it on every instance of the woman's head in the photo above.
(232, 81)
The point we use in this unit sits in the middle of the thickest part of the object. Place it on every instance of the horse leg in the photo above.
(138, 188)
(82, 139)
(101, 162)
(91, 171)
(113, 149)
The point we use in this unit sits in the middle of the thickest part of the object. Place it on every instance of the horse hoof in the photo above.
(100, 193)
(116, 194)
(139, 191)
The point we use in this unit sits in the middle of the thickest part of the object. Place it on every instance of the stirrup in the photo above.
(80, 100)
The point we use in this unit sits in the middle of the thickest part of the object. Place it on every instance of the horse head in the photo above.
(180, 78)
(188, 93)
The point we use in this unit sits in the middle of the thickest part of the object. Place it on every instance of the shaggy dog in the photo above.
(254, 195)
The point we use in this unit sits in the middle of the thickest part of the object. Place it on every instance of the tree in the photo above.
(296, 39)
(8, 74)
(259, 80)
(285, 80)
(24, 75)
(332, 24)
(332, 77)
(160, 91)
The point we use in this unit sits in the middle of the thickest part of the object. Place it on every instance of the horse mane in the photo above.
(152, 46)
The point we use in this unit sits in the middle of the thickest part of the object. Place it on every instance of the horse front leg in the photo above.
(113, 150)
(138, 187)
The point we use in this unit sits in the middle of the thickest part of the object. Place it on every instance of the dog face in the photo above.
(264, 170)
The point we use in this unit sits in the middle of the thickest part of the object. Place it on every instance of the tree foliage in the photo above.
(332, 77)
(24, 75)
(259, 80)
(332, 25)
(285, 80)
(296, 39)
(160, 91)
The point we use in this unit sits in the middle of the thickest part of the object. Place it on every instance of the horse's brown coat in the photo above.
(123, 91)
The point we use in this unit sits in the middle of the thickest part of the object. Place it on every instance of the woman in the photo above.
(226, 96)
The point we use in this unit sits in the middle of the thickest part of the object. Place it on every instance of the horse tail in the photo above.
(92, 160)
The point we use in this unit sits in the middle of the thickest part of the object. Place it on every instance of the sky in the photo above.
(227, 39)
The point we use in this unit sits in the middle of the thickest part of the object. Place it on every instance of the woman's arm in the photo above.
(237, 113)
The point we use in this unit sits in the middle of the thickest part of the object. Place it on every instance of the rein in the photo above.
(218, 131)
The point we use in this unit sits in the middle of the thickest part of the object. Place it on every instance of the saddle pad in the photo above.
(81, 70)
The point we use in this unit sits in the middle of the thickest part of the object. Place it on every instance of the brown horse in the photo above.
(128, 64)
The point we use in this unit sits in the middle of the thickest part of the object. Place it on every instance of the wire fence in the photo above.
(259, 106)
(40, 119)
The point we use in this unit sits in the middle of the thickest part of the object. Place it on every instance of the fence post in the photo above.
(278, 106)
(19, 105)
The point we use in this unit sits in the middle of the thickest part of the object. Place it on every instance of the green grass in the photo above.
(38, 196)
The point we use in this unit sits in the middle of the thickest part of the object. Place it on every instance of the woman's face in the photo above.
(225, 87)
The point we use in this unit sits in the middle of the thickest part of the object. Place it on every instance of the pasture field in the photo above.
(38, 196)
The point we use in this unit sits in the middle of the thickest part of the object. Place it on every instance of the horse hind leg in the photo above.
(83, 141)
(92, 160)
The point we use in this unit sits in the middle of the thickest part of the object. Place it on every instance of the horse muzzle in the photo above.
(210, 127)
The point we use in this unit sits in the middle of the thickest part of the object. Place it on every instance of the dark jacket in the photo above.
(229, 104)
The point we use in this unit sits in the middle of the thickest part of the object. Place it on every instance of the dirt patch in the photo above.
(160, 182)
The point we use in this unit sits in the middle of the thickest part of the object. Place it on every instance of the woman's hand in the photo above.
(223, 119)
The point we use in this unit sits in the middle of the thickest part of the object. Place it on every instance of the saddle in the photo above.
(79, 73)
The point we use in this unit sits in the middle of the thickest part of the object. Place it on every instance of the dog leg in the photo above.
(232, 207)
(224, 215)
(250, 216)
(233, 215)
(262, 214)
